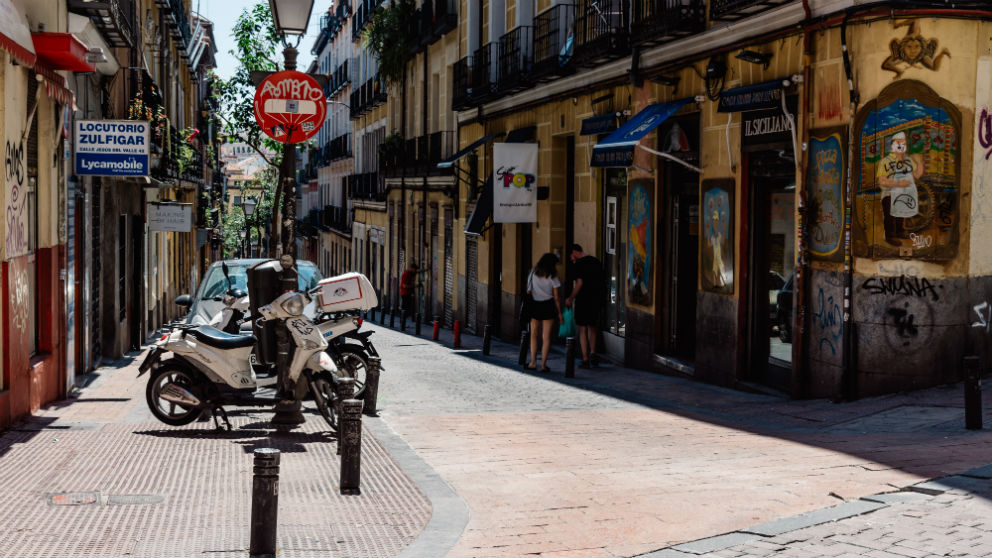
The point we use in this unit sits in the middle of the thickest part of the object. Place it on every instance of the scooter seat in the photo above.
(209, 335)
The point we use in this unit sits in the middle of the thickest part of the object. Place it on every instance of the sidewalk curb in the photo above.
(449, 513)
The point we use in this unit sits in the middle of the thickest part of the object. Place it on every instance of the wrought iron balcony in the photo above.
(339, 147)
(418, 156)
(445, 17)
(554, 41)
(177, 159)
(601, 31)
(335, 218)
(366, 186)
(178, 23)
(516, 59)
(461, 83)
(111, 17)
(339, 78)
(659, 21)
(732, 10)
(483, 72)
(366, 97)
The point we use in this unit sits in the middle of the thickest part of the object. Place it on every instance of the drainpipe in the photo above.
(801, 387)
(425, 257)
(849, 374)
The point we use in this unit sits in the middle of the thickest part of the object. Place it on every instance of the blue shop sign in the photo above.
(112, 147)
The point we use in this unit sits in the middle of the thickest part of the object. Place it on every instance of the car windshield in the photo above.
(215, 284)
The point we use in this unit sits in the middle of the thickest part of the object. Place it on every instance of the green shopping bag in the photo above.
(567, 327)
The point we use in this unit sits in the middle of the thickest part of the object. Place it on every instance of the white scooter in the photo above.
(200, 368)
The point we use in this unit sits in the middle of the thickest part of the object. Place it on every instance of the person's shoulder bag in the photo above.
(527, 301)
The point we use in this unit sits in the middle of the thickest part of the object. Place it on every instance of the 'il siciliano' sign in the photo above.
(112, 147)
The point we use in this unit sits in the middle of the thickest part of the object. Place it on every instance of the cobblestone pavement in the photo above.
(618, 462)
(97, 475)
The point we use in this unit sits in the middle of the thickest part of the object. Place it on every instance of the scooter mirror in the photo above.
(184, 300)
(227, 272)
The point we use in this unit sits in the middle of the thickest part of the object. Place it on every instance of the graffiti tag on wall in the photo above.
(15, 180)
(984, 311)
(19, 299)
(903, 285)
(828, 322)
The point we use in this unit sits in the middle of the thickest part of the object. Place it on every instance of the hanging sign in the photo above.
(173, 217)
(290, 106)
(112, 147)
(515, 183)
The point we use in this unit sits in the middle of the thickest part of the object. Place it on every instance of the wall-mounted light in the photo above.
(755, 57)
(95, 55)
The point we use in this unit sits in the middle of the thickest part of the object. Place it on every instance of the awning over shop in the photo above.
(55, 85)
(752, 97)
(602, 124)
(474, 145)
(617, 150)
(15, 35)
(521, 135)
(483, 210)
(61, 51)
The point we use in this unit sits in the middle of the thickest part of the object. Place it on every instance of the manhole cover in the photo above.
(131, 499)
(74, 498)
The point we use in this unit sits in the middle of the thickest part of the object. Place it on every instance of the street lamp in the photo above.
(291, 16)
(248, 205)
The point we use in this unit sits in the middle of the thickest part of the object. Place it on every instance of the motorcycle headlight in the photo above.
(294, 305)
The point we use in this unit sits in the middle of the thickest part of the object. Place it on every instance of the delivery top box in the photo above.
(351, 291)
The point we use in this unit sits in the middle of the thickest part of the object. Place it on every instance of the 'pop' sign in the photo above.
(290, 106)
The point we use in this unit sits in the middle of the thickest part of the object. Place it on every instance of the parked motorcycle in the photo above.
(197, 369)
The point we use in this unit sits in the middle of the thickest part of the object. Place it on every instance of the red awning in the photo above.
(62, 51)
(15, 36)
(55, 84)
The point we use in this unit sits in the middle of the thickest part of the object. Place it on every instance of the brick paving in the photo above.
(189, 488)
(623, 463)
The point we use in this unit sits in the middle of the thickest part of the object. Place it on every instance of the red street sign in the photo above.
(290, 106)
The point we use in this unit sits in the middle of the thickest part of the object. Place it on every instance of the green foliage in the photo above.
(234, 220)
(389, 36)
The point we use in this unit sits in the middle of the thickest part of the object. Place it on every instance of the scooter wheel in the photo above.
(355, 364)
(169, 412)
(322, 388)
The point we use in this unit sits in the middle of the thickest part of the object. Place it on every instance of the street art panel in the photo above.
(906, 197)
(826, 178)
(639, 247)
(717, 251)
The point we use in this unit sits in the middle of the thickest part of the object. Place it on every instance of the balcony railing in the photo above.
(366, 97)
(600, 31)
(108, 16)
(483, 74)
(418, 156)
(516, 59)
(366, 186)
(731, 10)
(445, 17)
(461, 83)
(177, 159)
(339, 147)
(339, 78)
(178, 23)
(659, 21)
(554, 40)
(363, 13)
(334, 217)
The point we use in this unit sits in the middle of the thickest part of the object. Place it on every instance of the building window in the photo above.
(611, 225)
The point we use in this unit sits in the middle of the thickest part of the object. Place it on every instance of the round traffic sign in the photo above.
(290, 106)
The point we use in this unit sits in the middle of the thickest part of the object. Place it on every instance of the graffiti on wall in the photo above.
(826, 178)
(912, 51)
(718, 236)
(984, 311)
(906, 201)
(828, 323)
(906, 307)
(19, 298)
(829, 97)
(16, 184)
(639, 242)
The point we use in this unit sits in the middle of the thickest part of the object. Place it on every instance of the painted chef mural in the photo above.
(907, 196)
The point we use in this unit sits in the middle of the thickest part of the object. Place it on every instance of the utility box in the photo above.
(350, 291)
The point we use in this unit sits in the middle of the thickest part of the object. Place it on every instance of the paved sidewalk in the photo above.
(97, 475)
(643, 464)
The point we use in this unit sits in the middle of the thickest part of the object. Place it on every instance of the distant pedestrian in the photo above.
(587, 297)
(542, 286)
(408, 288)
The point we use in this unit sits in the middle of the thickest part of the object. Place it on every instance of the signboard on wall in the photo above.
(515, 183)
(171, 217)
(112, 147)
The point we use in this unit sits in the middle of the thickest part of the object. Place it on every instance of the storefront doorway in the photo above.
(772, 250)
(614, 257)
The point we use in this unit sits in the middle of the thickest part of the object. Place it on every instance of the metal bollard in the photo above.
(372, 315)
(264, 503)
(972, 393)
(350, 445)
(524, 347)
(344, 390)
(392, 318)
(419, 321)
(403, 321)
(371, 393)
(487, 339)
(570, 357)
(457, 330)
(437, 329)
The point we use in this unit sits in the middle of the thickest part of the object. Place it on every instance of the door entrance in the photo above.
(679, 237)
(772, 189)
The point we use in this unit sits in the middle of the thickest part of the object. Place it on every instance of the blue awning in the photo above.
(617, 150)
(752, 97)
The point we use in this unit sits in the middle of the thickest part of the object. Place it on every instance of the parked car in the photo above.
(783, 306)
(208, 299)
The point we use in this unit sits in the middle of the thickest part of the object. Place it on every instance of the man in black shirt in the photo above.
(587, 296)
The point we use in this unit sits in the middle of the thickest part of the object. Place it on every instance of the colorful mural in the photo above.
(639, 242)
(906, 200)
(718, 236)
(826, 178)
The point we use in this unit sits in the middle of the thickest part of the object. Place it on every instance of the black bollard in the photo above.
(350, 445)
(487, 339)
(403, 321)
(419, 320)
(972, 394)
(570, 357)
(264, 503)
(344, 390)
(524, 347)
(371, 393)
(392, 318)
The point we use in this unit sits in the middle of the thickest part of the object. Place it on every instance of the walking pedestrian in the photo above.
(542, 286)
(408, 288)
(587, 298)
